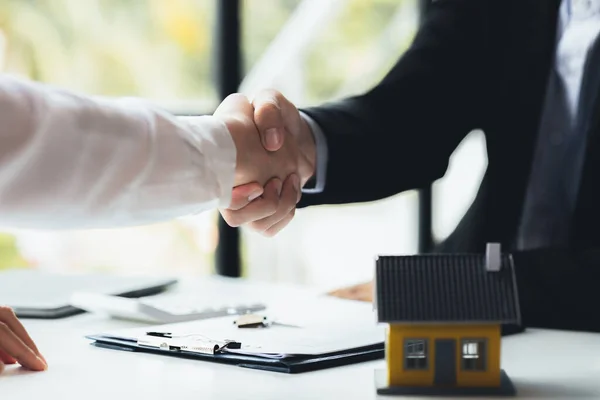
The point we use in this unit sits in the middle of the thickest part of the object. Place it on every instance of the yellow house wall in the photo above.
(398, 376)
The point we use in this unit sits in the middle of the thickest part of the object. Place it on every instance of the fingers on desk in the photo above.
(16, 344)
(360, 292)
(6, 358)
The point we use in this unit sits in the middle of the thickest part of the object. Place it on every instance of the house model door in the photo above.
(445, 362)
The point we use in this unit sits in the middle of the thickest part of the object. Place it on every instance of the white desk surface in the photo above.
(542, 364)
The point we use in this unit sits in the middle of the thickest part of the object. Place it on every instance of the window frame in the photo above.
(470, 364)
(418, 365)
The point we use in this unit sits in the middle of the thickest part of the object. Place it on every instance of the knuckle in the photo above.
(271, 206)
(289, 207)
(269, 233)
(273, 209)
(22, 354)
(257, 226)
(6, 312)
(269, 96)
(234, 222)
(236, 96)
(268, 109)
(237, 200)
(269, 92)
(276, 94)
(231, 219)
(291, 198)
(286, 220)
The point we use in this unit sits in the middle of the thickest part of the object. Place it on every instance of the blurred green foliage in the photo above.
(9, 253)
(162, 50)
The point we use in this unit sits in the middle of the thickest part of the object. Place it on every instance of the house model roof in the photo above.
(440, 288)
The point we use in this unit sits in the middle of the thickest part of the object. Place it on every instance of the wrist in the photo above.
(249, 154)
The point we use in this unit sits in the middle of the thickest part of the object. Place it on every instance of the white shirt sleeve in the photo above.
(70, 161)
(322, 155)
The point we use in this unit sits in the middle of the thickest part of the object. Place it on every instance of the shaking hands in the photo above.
(275, 158)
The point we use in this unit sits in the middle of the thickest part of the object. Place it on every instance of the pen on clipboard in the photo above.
(259, 321)
(193, 343)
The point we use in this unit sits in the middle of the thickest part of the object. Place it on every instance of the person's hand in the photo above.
(257, 167)
(16, 345)
(280, 126)
(361, 292)
(253, 162)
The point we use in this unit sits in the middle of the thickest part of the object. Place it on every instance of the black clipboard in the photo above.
(288, 365)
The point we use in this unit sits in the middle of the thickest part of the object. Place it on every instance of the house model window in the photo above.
(473, 355)
(415, 351)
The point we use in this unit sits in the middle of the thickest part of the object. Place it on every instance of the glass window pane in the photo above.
(473, 354)
(323, 51)
(182, 247)
(311, 50)
(317, 51)
(415, 349)
(359, 47)
(156, 49)
(257, 35)
(415, 353)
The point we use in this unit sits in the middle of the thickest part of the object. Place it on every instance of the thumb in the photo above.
(268, 117)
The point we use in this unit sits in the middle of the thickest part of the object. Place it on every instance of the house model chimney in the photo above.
(493, 260)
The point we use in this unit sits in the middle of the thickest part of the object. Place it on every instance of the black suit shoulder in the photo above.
(400, 134)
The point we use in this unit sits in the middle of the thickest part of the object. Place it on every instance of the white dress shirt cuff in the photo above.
(209, 135)
(322, 155)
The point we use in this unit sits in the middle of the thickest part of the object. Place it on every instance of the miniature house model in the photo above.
(444, 313)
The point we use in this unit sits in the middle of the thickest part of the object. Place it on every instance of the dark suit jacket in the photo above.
(474, 64)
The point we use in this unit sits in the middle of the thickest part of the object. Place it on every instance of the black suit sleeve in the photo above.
(558, 289)
(400, 134)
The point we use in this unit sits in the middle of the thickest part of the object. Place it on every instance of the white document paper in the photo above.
(325, 325)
